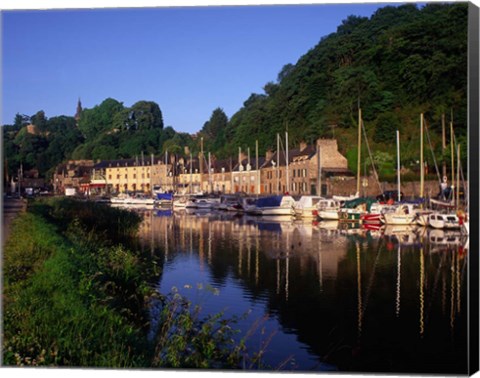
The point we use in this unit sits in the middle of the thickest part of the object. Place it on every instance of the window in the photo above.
(125, 176)
(109, 177)
(118, 177)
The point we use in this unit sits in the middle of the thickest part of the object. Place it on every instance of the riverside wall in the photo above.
(410, 189)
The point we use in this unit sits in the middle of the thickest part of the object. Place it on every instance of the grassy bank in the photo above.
(74, 295)
(62, 282)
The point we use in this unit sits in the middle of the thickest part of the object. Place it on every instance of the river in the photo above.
(319, 296)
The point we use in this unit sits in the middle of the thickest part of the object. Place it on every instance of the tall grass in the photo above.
(60, 309)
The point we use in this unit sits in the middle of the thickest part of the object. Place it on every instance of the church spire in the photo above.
(79, 110)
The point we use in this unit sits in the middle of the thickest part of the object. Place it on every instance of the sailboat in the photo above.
(306, 207)
(404, 214)
(450, 219)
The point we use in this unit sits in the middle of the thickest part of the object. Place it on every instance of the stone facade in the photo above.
(303, 168)
(72, 174)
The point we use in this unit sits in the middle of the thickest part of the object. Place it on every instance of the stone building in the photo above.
(246, 176)
(220, 179)
(72, 174)
(125, 175)
(188, 175)
(303, 169)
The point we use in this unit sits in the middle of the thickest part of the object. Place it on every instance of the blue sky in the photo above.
(189, 60)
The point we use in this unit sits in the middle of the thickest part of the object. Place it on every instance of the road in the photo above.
(11, 208)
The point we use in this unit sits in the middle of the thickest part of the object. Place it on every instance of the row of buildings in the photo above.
(309, 167)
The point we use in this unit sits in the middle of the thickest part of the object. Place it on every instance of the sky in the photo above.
(189, 60)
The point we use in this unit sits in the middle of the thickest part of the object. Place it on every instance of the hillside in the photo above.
(399, 63)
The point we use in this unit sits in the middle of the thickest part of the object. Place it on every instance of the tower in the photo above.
(79, 110)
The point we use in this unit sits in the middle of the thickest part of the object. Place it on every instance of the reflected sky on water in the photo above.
(323, 296)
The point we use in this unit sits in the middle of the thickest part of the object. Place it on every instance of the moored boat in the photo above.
(444, 221)
(404, 214)
(273, 205)
(137, 199)
(306, 206)
(327, 209)
(164, 199)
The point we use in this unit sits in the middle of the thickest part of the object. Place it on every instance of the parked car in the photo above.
(390, 195)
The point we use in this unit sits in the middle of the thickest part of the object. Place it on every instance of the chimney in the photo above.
(186, 150)
(268, 154)
(303, 145)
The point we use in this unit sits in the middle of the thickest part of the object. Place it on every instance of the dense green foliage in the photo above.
(400, 62)
(113, 131)
(52, 141)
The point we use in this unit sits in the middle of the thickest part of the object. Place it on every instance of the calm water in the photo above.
(321, 298)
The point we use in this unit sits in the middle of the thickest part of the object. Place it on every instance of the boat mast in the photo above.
(239, 166)
(359, 155)
(166, 169)
(452, 152)
(257, 170)
(458, 175)
(287, 186)
(444, 146)
(278, 164)
(209, 173)
(200, 167)
(319, 173)
(422, 168)
(190, 173)
(231, 176)
(398, 165)
(249, 167)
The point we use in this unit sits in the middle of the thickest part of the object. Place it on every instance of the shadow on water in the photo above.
(334, 296)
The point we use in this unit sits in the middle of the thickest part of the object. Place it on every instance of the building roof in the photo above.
(253, 162)
(294, 154)
(132, 162)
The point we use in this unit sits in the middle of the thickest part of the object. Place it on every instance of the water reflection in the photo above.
(375, 300)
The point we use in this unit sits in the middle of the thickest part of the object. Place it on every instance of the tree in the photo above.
(99, 119)
(146, 115)
(39, 120)
(286, 70)
(215, 125)
(21, 120)
(385, 131)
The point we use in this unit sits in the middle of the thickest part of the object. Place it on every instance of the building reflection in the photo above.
(338, 289)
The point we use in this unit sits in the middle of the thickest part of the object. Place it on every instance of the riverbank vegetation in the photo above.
(75, 296)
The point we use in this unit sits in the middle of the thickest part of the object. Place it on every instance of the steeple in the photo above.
(79, 110)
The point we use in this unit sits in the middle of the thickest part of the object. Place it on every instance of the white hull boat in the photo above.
(327, 209)
(444, 221)
(404, 214)
(132, 200)
(273, 205)
(306, 207)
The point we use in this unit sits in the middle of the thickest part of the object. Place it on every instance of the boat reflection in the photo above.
(332, 294)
